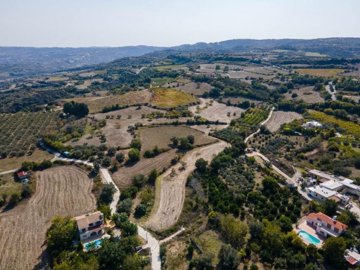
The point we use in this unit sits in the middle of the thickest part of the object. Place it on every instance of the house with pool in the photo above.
(91, 230)
(316, 227)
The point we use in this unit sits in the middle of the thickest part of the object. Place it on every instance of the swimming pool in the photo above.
(309, 238)
(93, 245)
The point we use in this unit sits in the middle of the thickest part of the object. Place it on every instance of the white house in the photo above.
(321, 194)
(325, 225)
(332, 185)
(312, 124)
(352, 256)
(90, 226)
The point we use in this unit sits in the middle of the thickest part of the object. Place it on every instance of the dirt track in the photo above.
(171, 197)
(60, 191)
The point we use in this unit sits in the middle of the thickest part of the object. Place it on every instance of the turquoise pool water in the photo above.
(93, 245)
(309, 238)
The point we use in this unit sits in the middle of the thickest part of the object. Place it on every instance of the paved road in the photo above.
(261, 124)
(10, 171)
(328, 89)
(106, 177)
(154, 246)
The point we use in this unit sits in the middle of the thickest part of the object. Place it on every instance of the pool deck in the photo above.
(303, 226)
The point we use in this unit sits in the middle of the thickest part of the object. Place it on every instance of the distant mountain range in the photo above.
(27, 61)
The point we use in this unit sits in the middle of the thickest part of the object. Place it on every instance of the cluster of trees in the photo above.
(348, 84)
(128, 194)
(76, 109)
(153, 153)
(183, 143)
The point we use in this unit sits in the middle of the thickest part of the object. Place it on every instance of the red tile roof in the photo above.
(351, 260)
(22, 174)
(328, 220)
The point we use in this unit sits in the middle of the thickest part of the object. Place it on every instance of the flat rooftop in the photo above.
(332, 185)
(324, 192)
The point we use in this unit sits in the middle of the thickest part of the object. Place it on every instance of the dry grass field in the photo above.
(279, 118)
(7, 164)
(123, 177)
(237, 100)
(170, 98)
(215, 111)
(117, 124)
(306, 94)
(170, 200)
(208, 128)
(160, 136)
(331, 72)
(59, 191)
(96, 104)
(190, 87)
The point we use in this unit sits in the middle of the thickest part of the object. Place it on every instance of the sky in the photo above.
(84, 23)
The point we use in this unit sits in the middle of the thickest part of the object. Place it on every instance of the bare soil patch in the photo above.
(189, 87)
(355, 98)
(96, 104)
(117, 124)
(215, 111)
(60, 191)
(279, 118)
(306, 94)
(330, 72)
(208, 128)
(170, 199)
(123, 177)
(161, 136)
(237, 100)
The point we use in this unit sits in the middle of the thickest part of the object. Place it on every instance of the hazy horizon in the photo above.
(111, 23)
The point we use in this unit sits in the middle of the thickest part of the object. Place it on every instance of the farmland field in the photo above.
(20, 131)
(117, 124)
(170, 199)
(96, 104)
(123, 177)
(215, 111)
(170, 98)
(306, 94)
(253, 117)
(331, 72)
(189, 87)
(279, 117)
(349, 127)
(160, 136)
(59, 191)
(7, 164)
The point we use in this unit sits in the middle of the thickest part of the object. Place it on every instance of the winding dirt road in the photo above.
(172, 194)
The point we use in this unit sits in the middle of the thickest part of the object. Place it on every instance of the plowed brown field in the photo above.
(61, 191)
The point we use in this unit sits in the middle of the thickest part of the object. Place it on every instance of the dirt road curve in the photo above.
(172, 193)
(261, 124)
(63, 191)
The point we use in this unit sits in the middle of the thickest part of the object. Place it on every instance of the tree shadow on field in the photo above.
(43, 259)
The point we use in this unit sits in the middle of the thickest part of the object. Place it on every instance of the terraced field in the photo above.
(253, 117)
(59, 191)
